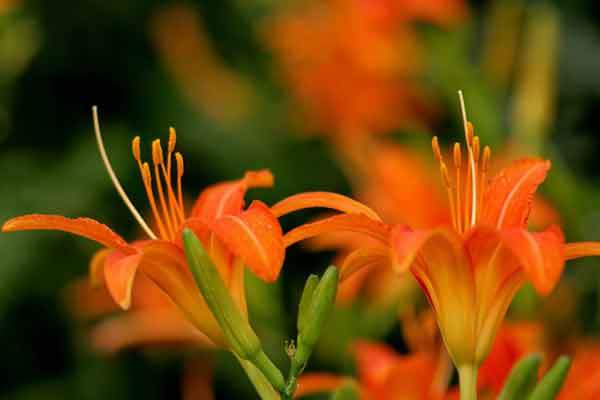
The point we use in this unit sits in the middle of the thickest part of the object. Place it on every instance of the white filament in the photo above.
(471, 159)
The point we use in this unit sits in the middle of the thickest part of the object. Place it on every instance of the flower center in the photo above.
(465, 191)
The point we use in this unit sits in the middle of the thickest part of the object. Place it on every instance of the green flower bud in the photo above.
(522, 379)
(314, 316)
(553, 381)
(238, 333)
(306, 301)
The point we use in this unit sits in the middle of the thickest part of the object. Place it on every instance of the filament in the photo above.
(469, 137)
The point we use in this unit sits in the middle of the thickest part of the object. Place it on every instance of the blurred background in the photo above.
(318, 91)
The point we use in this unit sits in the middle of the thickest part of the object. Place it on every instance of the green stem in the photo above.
(261, 384)
(467, 376)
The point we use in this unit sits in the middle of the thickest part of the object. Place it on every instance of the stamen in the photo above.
(448, 185)
(158, 160)
(179, 159)
(135, 149)
(487, 153)
(176, 212)
(458, 168)
(476, 149)
(435, 145)
(469, 137)
(147, 179)
(114, 178)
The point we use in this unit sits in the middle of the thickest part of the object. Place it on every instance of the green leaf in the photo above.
(552, 382)
(522, 378)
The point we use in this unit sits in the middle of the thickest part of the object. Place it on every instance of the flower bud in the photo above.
(237, 331)
(552, 382)
(313, 317)
(306, 301)
(522, 378)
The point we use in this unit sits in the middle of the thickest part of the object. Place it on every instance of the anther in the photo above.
(172, 139)
(470, 133)
(435, 145)
(135, 148)
(146, 176)
(476, 148)
(487, 153)
(179, 159)
(157, 153)
(457, 155)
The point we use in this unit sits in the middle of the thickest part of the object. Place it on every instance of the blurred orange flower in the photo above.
(383, 374)
(470, 270)
(234, 237)
(513, 342)
(153, 320)
(354, 65)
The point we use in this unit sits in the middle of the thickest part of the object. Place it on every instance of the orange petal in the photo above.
(256, 237)
(314, 383)
(364, 257)
(96, 269)
(581, 249)
(85, 301)
(119, 274)
(333, 201)
(165, 265)
(509, 196)
(540, 254)
(340, 223)
(407, 244)
(228, 197)
(374, 362)
(85, 227)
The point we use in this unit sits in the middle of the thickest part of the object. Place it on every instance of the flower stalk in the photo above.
(467, 376)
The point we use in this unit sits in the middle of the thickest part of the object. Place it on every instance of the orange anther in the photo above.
(179, 159)
(157, 153)
(487, 154)
(470, 133)
(476, 148)
(435, 145)
(457, 155)
(135, 148)
(172, 139)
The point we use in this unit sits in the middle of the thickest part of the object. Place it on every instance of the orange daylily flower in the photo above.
(471, 269)
(383, 374)
(397, 183)
(234, 237)
(330, 51)
(151, 320)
